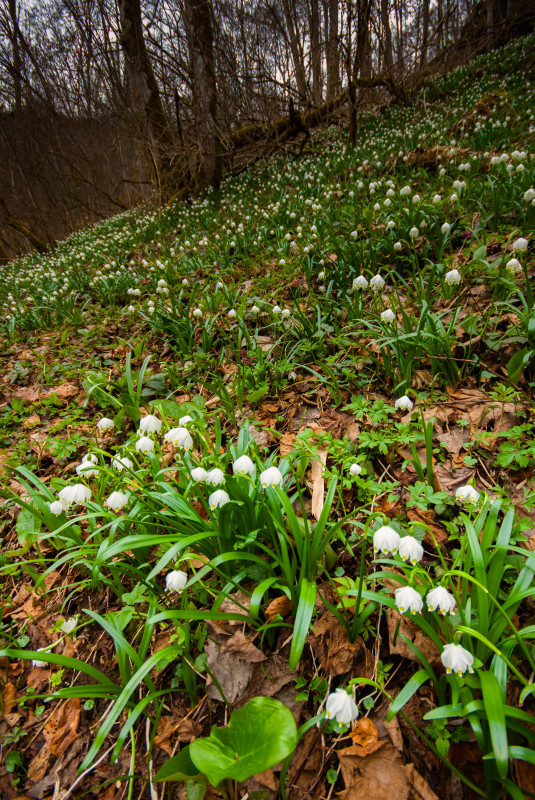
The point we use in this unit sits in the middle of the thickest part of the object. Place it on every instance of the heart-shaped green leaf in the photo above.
(179, 768)
(258, 736)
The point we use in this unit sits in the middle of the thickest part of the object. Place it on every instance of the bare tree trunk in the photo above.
(145, 97)
(296, 50)
(386, 36)
(425, 33)
(333, 73)
(315, 51)
(199, 31)
(493, 18)
(361, 61)
(16, 56)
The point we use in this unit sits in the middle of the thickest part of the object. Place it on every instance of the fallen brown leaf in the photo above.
(8, 698)
(421, 785)
(242, 646)
(413, 633)
(279, 605)
(376, 777)
(62, 725)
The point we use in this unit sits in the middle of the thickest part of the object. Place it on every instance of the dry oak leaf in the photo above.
(399, 625)
(364, 732)
(279, 605)
(39, 764)
(8, 698)
(376, 777)
(242, 646)
(332, 647)
(62, 725)
(286, 443)
(419, 783)
(29, 393)
(63, 391)
(232, 673)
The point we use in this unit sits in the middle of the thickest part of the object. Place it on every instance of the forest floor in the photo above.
(359, 322)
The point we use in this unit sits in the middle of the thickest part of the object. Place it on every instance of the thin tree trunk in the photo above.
(198, 21)
(386, 35)
(425, 33)
(333, 71)
(145, 97)
(315, 51)
(296, 51)
(16, 56)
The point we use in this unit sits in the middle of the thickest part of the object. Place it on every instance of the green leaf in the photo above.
(516, 364)
(257, 394)
(28, 525)
(258, 736)
(179, 768)
(412, 686)
(480, 253)
(303, 616)
(495, 714)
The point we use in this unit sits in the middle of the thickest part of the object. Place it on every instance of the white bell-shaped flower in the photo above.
(355, 469)
(385, 540)
(144, 444)
(453, 277)
(377, 283)
(520, 245)
(184, 420)
(410, 549)
(341, 706)
(176, 580)
(456, 659)
(85, 469)
(56, 507)
(199, 474)
(216, 476)
(74, 495)
(116, 501)
(514, 266)
(360, 282)
(440, 598)
(271, 477)
(218, 499)
(105, 424)
(69, 625)
(149, 424)
(404, 403)
(388, 315)
(179, 437)
(467, 495)
(408, 599)
(121, 463)
(243, 466)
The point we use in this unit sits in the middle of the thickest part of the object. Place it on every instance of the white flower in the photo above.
(175, 580)
(37, 662)
(405, 403)
(377, 283)
(388, 315)
(116, 501)
(255, 310)
(442, 599)
(360, 282)
(467, 494)
(121, 463)
(514, 266)
(529, 195)
(232, 313)
(185, 420)
(216, 476)
(77, 494)
(144, 444)
(416, 198)
(341, 706)
(453, 277)
(69, 625)
(321, 276)
(414, 233)
(197, 312)
(355, 469)
(285, 313)
(408, 599)
(446, 227)
(56, 507)
(437, 198)
(199, 474)
(292, 376)
(179, 437)
(218, 499)
(276, 309)
(398, 246)
(410, 549)
(405, 192)
(149, 424)
(105, 424)
(385, 540)
(85, 469)
(456, 659)
(520, 246)
(271, 477)
(243, 466)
